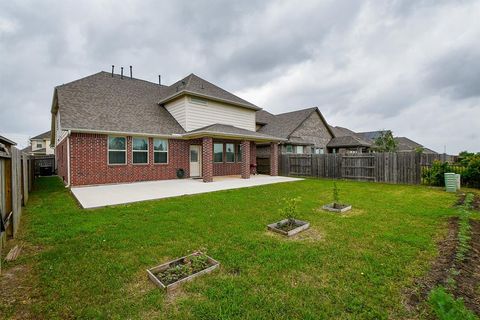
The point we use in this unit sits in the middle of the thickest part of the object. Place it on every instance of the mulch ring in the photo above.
(440, 269)
(468, 280)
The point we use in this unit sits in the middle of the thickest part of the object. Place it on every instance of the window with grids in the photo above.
(117, 150)
(140, 150)
(160, 151)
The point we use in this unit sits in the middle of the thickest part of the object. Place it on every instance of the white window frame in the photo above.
(108, 151)
(286, 148)
(234, 153)
(158, 151)
(144, 151)
(296, 149)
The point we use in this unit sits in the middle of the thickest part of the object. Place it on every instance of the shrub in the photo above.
(434, 175)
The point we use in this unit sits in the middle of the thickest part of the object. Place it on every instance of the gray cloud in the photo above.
(366, 64)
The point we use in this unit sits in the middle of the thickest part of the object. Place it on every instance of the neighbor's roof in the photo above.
(284, 124)
(348, 141)
(192, 84)
(370, 135)
(101, 102)
(406, 144)
(8, 141)
(230, 131)
(42, 136)
(27, 149)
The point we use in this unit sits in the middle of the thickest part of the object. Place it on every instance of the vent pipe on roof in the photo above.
(160, 80)
(121, 75)
(112, 69)
(131, 72)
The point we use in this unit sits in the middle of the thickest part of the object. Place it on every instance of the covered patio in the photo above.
(115, 194)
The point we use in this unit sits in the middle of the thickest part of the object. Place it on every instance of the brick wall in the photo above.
(89, 161)
(274, 159)
(207, 159)
(245, 170)
(61, 158)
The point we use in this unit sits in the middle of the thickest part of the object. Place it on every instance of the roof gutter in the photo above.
(231, 135)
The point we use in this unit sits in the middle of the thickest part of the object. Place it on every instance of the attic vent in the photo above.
(198, 101)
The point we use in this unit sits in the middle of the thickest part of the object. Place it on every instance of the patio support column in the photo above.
(245, 159)
(274, 159)
(207, 159)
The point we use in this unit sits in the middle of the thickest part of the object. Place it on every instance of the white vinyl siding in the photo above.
(191, 114)
(178, 110)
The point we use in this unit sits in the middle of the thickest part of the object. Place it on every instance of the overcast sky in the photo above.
(410, 66)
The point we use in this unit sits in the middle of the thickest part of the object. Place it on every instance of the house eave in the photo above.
(206, 96)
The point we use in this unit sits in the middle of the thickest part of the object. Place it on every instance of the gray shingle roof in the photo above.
(231, 131)
(101, 102)
(197, 86)
(348, 141)
(284, 124)
(405, 144)
(45, 135)
(370, 135)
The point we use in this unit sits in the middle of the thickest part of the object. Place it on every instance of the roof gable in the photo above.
(45, 135)
(194, 85)
(284, 124)
(110, 103)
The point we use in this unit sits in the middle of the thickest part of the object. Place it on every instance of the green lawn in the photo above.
(91, 263)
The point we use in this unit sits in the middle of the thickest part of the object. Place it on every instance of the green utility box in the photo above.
(450, 182)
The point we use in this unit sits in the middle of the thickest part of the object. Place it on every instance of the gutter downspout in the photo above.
(68, 159)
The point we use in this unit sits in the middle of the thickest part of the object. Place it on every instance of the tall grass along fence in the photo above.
(16, 179)
(389, 167)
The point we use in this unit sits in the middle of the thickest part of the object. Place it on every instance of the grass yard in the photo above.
(91, 263)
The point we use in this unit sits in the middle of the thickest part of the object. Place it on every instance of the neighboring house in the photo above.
(347, 141)
(6, 147)
(40, 145)
(304, 131)
(404, 144)
(108, 128)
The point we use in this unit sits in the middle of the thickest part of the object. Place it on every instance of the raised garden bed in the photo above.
(170, 275)
(337, 207)
(289, 227)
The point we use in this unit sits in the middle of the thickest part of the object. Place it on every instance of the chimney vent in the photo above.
(121, 74)
(112, 69)
(131, 72)
(159, 79)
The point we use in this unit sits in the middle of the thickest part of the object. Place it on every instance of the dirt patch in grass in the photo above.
(19, 291)
(440, 269)
(468, 280)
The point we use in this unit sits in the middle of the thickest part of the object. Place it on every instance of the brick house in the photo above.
(109, 128)
(304, 131)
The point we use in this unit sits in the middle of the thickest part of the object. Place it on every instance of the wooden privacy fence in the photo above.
(390, 167)
(16, 178)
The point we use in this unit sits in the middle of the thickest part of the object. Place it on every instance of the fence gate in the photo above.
(263, 165)
(359, 167)
(44, 165)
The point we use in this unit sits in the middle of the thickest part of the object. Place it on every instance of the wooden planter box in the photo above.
(153, 271)
(330, 207)
(302, 225)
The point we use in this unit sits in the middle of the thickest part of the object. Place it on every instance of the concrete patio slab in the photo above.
(107, 195)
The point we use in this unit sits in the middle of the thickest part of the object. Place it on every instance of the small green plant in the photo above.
(289, 210)
(446, 307)
(464, 229)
